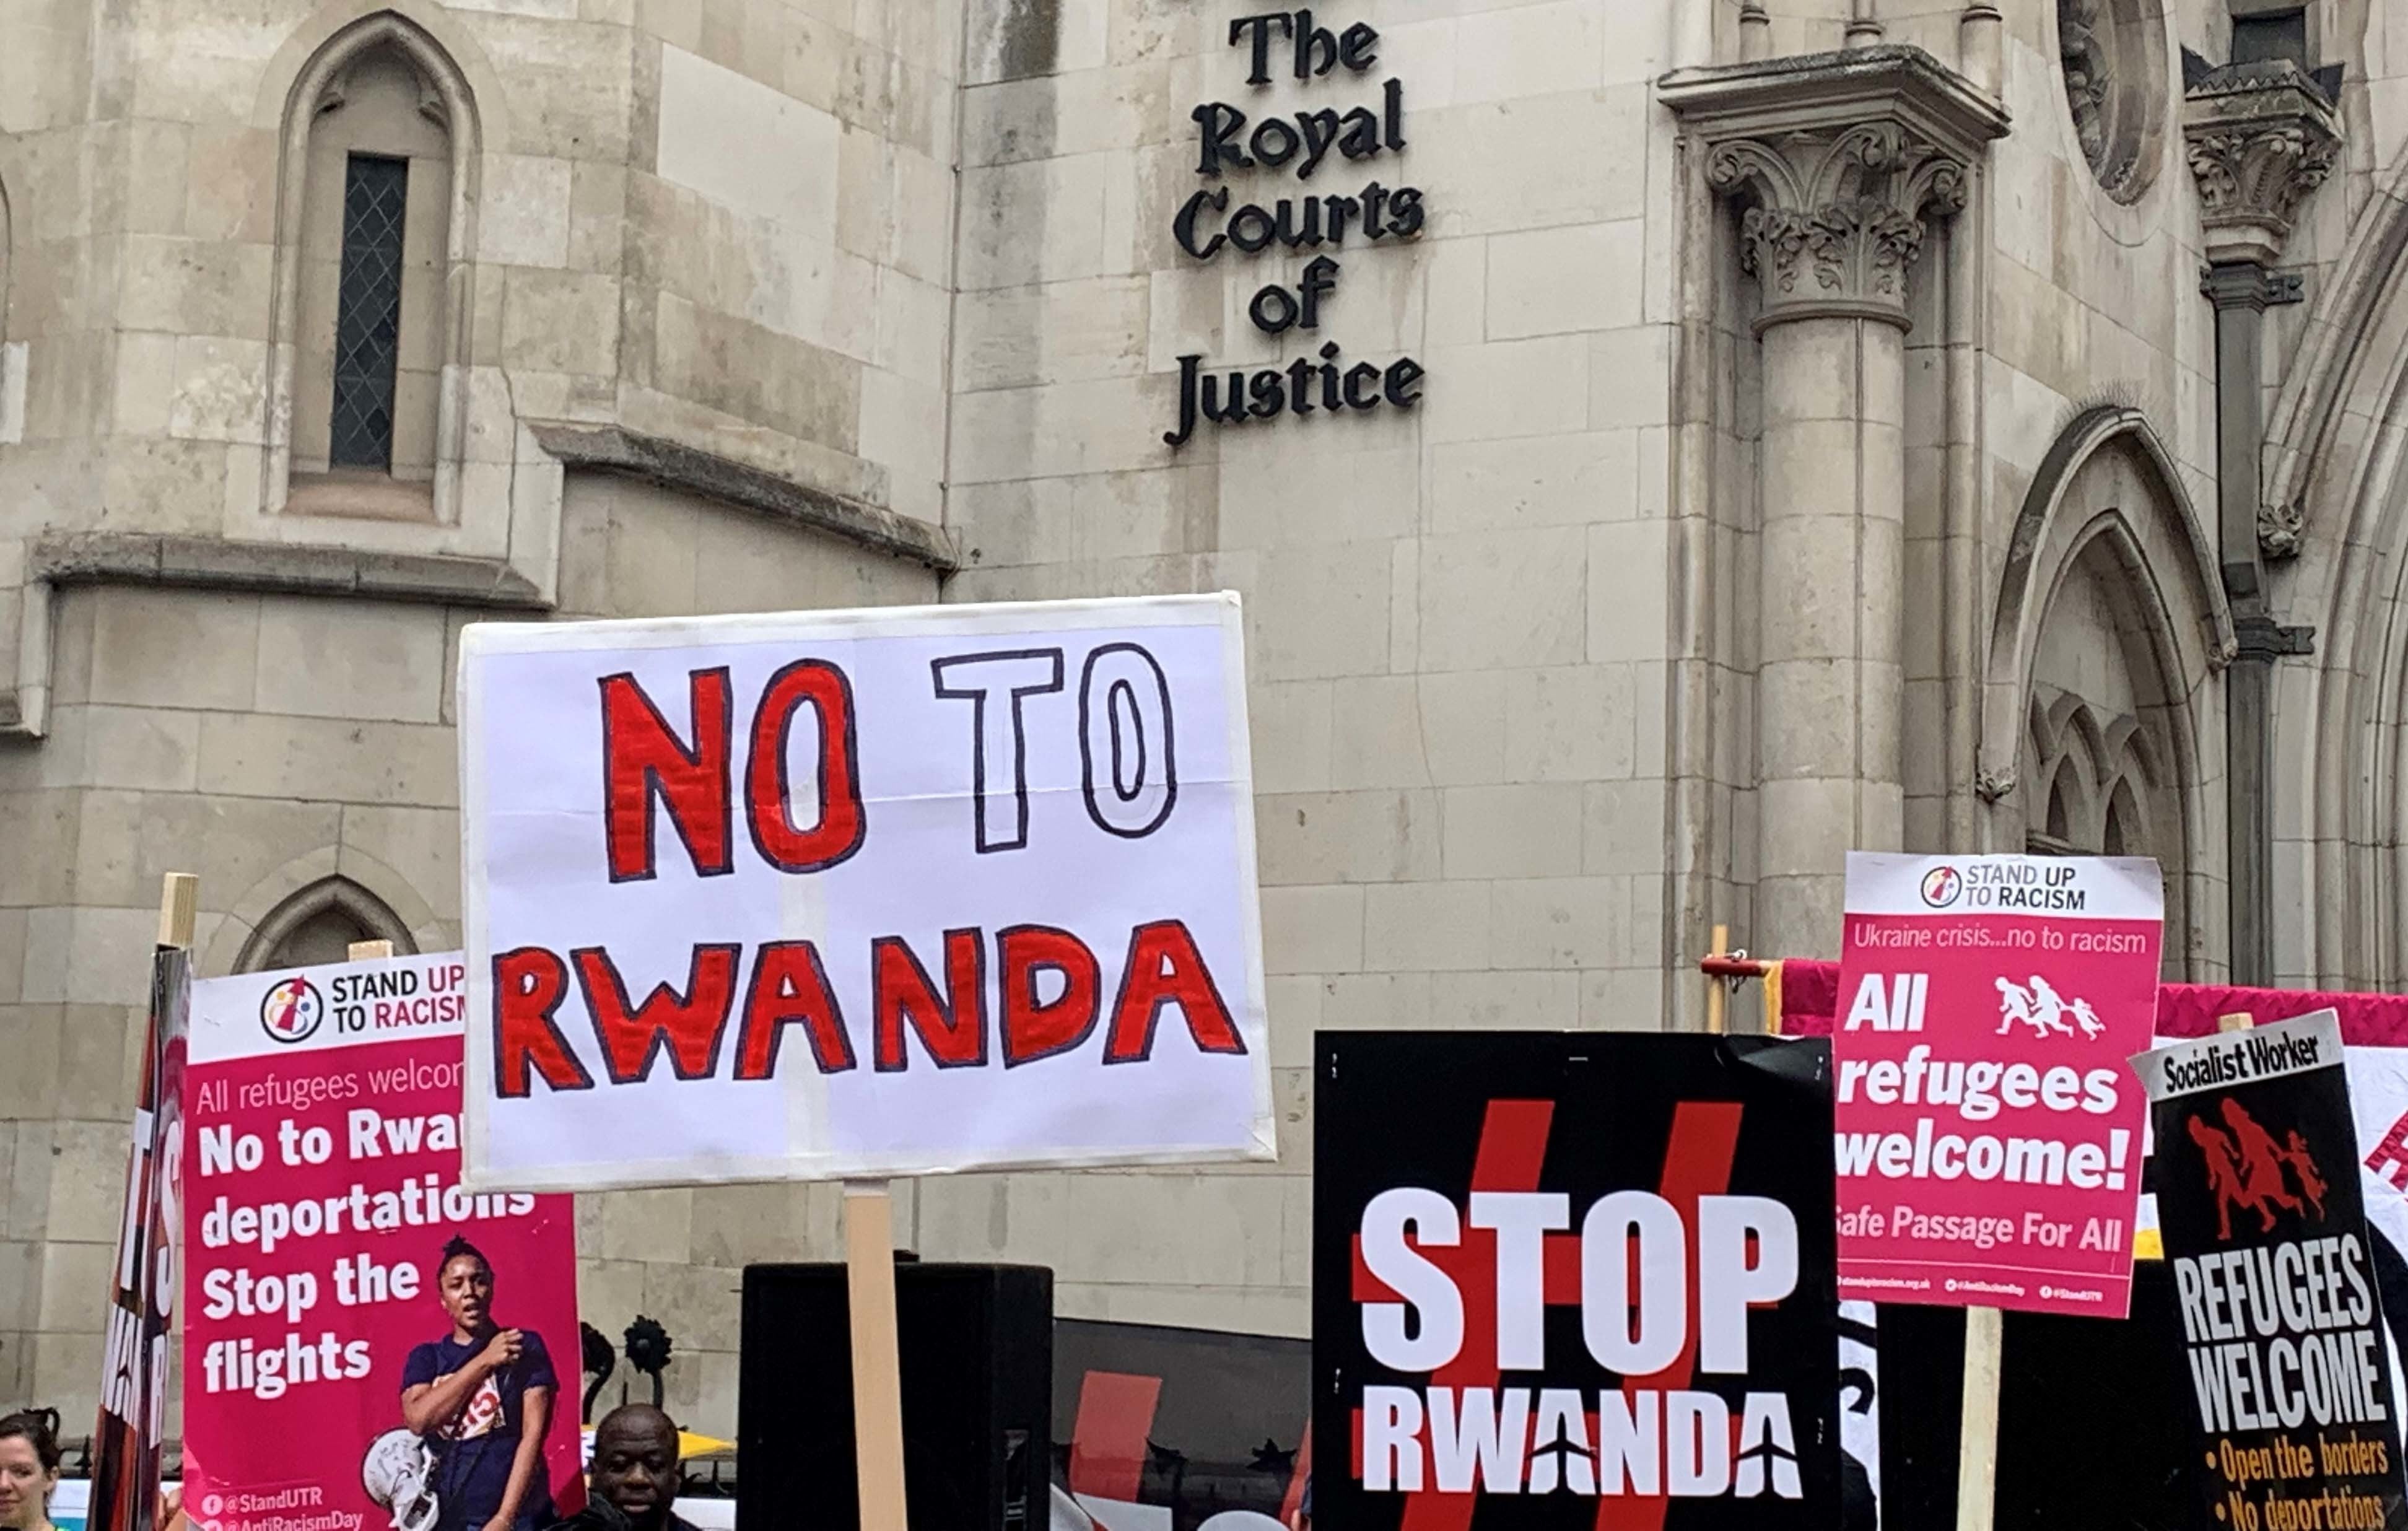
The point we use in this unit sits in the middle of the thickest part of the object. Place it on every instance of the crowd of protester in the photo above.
(634, 1480)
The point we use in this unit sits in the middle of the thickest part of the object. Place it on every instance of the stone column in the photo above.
(1864, 24)
(1829, 684)
(2261, 138)
(1981, 46)
(1836, 163)
(1755, 31)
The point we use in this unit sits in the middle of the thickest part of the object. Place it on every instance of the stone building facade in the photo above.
(1661, 444)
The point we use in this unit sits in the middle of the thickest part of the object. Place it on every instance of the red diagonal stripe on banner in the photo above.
(1513, 1148)
(1107, 1441)
(1512, 1145)
(1696, 1162)
(1698, 1154)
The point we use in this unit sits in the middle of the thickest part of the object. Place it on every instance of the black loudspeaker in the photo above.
(976, 1344)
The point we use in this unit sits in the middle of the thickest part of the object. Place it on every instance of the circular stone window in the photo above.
(2112, 54)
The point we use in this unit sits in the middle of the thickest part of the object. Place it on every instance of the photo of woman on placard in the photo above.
(480, 1396)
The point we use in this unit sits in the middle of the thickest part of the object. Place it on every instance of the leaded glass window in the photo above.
(367, 324)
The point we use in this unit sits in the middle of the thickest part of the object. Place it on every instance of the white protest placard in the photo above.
(860, 895)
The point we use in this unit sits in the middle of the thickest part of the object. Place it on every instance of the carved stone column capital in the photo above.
(2261, 137)
(1837, 160)
(1832, 226)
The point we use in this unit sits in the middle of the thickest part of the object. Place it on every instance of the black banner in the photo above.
(1554, 1268)
(1199, 1423)
(2264, 1226)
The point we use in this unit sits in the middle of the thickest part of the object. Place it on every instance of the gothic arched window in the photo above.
(374, 278)
(317, 925)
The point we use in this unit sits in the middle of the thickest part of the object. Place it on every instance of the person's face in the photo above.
(635, 1469)
(467, 1291)
(24, 1484)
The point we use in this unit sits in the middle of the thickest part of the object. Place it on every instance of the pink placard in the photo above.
(321, 1185)
(1989, 1130)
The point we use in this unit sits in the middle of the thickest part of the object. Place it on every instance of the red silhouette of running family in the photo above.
(2247, 1170)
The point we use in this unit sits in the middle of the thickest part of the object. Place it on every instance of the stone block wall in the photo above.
(1456, 615)
(264, 741)
(918, 260)
(720, 228)
(788, 212)
(267, 741)
(725, 226)
(2336, 245)
(2063, 286)
(2092, 299)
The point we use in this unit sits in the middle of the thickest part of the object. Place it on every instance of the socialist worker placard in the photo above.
(2264, 1219)
(1988, 1129)
(1569, 1280)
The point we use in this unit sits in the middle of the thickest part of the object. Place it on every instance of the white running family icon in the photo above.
(2042, 1008)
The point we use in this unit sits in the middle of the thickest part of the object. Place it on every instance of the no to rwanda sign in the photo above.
(860, 894)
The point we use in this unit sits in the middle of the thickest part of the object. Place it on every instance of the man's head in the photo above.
(636, 1464)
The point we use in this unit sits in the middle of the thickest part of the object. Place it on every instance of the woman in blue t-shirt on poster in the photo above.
(480, 1396)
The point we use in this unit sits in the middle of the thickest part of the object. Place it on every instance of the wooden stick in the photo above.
(2238, 1021)
(1714, 985)
(179, 903)
(876, 1374)
(1977, 1450)
(369, 951)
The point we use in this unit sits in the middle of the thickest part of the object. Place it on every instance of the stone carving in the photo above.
(1771, 241)
(2110, 60)
(2279, 529)
(2264, 173)
(2081, 58)
(1861, 246)
(2260, 138)
(1837, 220)
(1836, 161)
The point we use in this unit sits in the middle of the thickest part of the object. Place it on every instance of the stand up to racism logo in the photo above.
(292, 1011)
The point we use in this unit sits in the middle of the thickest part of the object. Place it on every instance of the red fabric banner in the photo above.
(1810, 996)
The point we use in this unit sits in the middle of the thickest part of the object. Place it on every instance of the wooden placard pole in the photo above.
(1977, 1451)
(2237, 1021)
(1714, 994)
(179, 903)
(369, 951)
(876, 1374)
